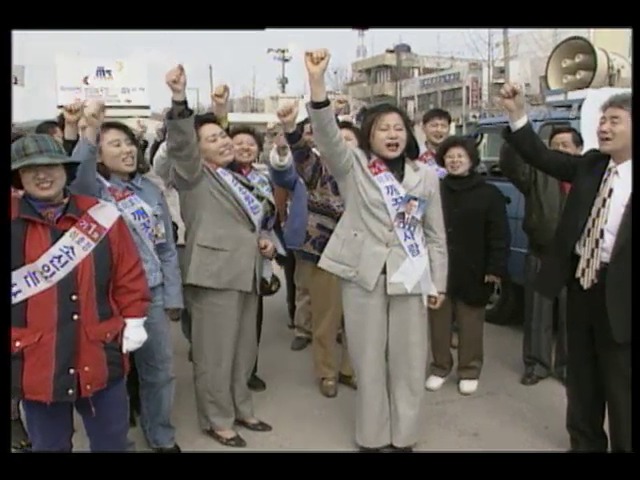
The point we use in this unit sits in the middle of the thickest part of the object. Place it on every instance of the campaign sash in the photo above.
(416, 266)
(263, 184)
(65, 255)
(139, 215)
(249, 203)
(254, 209)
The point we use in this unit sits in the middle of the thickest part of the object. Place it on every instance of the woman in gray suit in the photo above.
(389, 270)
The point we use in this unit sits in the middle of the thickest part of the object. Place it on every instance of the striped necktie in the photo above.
(590, 243)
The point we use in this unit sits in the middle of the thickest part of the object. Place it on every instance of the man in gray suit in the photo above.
(224, 254)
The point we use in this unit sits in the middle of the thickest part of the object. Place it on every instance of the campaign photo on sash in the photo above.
(406, 213)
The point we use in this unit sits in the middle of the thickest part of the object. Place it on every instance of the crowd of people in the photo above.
(387, 247)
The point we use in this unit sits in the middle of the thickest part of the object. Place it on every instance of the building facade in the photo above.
(457, 90)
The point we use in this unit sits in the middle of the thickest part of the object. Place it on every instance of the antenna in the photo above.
(282, 56)
(361, 50)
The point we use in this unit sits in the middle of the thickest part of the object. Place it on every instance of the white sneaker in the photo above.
(434, 383)
(467, 387)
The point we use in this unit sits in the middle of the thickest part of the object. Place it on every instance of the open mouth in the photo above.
(129, 161)
(44, 185)
(226, 151)
(392, 146)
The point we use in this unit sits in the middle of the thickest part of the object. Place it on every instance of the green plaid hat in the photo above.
(37, 149)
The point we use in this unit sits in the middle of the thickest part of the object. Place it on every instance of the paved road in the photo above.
(502, 415)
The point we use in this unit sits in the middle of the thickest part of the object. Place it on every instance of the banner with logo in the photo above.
(123, 85)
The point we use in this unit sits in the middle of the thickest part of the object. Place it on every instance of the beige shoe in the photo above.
(329, 387)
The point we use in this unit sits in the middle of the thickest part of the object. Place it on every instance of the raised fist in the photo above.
(316, 62)
(288, 114)
(140, 130)
(340, 104)
(93, 113)
(176, 79)
(72, 113)
(511, 99)
(220, 96)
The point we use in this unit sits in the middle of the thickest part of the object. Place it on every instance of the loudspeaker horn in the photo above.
(575, 63)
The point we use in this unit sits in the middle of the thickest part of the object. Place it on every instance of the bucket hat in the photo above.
(37, 149)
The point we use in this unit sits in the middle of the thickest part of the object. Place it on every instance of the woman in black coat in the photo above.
(478, 240)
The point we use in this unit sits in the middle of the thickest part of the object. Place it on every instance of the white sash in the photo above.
(416, 267)
(249, 203)
(67, 253)
(139, 215)
(263, 184)
(253, 208)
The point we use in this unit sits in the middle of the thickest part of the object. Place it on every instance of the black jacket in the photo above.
(478, 237)
(543, 195)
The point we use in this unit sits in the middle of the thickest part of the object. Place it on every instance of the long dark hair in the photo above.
(371, 117)
(141, 165)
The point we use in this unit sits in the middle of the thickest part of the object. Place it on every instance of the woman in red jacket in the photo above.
(79, 302)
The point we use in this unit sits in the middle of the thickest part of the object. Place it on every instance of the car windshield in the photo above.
(491, 143)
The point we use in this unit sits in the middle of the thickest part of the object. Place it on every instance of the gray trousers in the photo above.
(225, 346)
(539, 341)
(388, 347)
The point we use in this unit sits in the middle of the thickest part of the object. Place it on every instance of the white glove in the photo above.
(278, 162)
(134, 334)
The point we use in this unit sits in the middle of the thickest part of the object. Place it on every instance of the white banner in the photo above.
(123, 85)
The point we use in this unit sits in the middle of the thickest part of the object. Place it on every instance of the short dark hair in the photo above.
(247, 130)
(203, 119)
(411, 151)
(346, 125)
(465, 142)
(576, 138)
(47, 127)
(436, 113)
(141, 164)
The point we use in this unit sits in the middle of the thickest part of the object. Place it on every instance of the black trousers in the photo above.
(539, 312)
(598, 373)
(259, 327)
(288, 263)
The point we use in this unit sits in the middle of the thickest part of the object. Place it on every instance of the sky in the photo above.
(234, 55)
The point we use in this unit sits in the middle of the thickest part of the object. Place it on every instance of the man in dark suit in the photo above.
(544, 200)
(591, 255)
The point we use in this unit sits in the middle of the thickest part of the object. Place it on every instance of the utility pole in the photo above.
(282, 55)
(489, 68)
(211, 78)
(506, 53)
(253, 91)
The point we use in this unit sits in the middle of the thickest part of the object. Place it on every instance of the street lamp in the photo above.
(283, 56)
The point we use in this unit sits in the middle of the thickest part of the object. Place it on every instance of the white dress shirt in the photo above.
(621, 184)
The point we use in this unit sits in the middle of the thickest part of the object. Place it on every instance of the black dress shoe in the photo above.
(300, 343)
(530, 378)
(256, 384)
(258, 426)
(401, 449)
(174, 449)
(236, 441)
(373, 449)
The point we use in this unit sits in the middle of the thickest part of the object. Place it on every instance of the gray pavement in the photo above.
(502, 416)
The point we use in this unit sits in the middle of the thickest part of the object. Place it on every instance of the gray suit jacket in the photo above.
(365, 239)
(221, 242)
